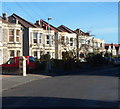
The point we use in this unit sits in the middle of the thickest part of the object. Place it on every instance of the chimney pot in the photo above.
(5, 16)
(38, 22)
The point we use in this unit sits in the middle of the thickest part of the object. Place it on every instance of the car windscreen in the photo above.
(11, 61)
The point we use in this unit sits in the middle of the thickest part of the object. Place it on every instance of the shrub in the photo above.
(96, 59)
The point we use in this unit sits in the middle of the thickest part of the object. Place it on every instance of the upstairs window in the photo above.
(52, 41)
(71, 41)
(35, 37)
(62, 39)
(101, 45)
(11, 35)
(67, 40)
(40, 38)
(17, 35)
(48, 39)
(82, 41)
(88, 41)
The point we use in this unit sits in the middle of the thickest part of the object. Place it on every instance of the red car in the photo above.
(14, 63)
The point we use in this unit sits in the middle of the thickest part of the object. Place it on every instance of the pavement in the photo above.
(11, 81)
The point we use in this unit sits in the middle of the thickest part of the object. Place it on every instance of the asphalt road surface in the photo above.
(90, 89)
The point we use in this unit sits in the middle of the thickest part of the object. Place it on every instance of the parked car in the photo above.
(14, 63)
(116, 61)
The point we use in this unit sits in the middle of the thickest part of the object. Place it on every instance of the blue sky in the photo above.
(100, 18)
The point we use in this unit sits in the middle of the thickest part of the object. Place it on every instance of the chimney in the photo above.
(78, 31)
(5, 16)
(16, 21)
(88, 34)
(38, 23)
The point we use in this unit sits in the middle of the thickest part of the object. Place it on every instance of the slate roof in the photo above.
(65, 29)
(80, 32)
(4, 21)
(45, 24)
(23, 22)
(116, 45)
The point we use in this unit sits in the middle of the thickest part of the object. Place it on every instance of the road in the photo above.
(90, 89)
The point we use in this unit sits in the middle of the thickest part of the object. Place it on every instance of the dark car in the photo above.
(116, 61)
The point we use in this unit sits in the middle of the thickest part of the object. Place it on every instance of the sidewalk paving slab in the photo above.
(13, 81)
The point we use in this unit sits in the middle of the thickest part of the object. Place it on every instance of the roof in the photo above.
(65, 29)
(80, 32)
(3, 21)
(23, 22)
(116, 45)
(45, 24)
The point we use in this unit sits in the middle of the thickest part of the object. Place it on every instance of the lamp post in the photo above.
(93, 44)
(111, 49)
(49, 64)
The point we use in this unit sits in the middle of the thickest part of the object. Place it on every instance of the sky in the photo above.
(98, 18)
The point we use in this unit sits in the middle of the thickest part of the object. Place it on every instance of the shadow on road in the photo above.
(54, 102)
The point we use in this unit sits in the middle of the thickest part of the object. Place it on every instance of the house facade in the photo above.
(36, 39)
(84, 43)
(11, 39)
(114, 49)
(67, 41)
(21, 37)
(98, 45)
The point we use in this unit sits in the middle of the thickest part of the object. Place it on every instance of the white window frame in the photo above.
(40, 37)
(11, 35)
(34, 54)
(48, 39)
(67, 40)
(62, 39)
(17, 53)
(35, 38)
(18, 36)
(13, 53)
(52, 40)
(71, 42)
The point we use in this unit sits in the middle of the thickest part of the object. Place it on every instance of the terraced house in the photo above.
(37, 41)
(67, 40)
(11, 39)
(21, 37)
(114, 49)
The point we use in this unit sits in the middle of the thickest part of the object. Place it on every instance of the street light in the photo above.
(49, 64)
(111, 49)
(49, 26)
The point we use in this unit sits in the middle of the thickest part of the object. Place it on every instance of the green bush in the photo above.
(96, 59)
(45, 58)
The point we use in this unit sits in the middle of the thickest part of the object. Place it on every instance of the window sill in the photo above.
(14, 43)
